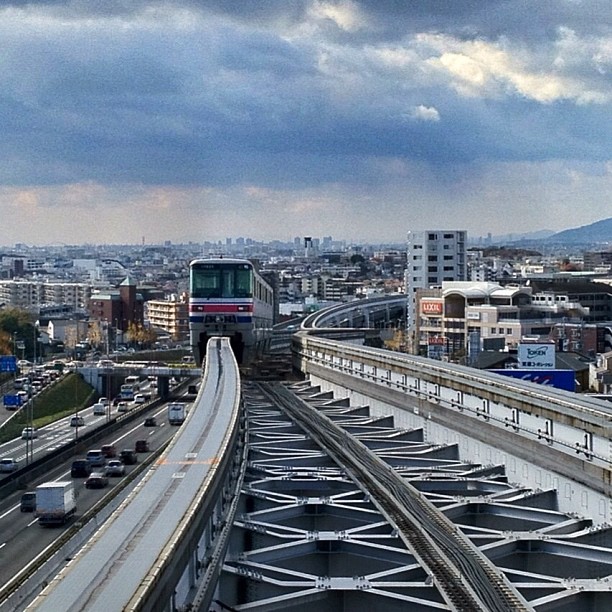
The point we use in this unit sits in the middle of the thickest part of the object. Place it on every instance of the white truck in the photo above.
(176, 413)
(55, 502)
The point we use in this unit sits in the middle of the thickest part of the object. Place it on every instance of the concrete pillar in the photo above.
(163, 386)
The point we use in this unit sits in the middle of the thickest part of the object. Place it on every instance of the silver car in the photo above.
(114, 468)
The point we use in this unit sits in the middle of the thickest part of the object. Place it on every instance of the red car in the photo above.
(109, 451)
(141, 446)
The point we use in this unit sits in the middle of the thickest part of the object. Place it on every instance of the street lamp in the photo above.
(29, 442)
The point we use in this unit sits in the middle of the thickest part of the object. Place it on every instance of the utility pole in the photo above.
(30, 411)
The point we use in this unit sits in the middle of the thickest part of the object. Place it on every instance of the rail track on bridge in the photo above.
(467, 579)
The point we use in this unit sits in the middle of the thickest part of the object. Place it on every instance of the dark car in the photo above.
(128, 456)
(28, 502)
(81, 468)
(150, 422)
(96, 480)
(141, 446)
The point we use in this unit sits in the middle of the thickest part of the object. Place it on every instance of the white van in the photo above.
(99, 408)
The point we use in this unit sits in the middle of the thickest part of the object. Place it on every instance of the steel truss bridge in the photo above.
(384, 481)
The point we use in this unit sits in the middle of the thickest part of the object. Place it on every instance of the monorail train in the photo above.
(228, 297)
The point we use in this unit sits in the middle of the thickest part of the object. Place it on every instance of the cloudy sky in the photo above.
(182, 120)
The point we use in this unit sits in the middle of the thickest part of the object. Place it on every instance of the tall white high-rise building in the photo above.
(433, 256)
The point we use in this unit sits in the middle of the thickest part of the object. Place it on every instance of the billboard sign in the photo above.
(540, 356)
(560, 379)
(429, 307)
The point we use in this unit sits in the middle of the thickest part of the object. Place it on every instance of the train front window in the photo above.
(205, 282)
(228, 283)
(225, 281)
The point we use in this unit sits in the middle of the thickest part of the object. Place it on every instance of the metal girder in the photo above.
(307, 537)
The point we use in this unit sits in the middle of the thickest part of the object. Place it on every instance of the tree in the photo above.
(17, 325)
(138, 334)
(94, 333)
(6, 343)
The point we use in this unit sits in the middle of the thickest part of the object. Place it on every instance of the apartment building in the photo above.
(171, 315)
(32, 295)
(432, 258)
(118, 307)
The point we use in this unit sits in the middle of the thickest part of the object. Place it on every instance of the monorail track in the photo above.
(465, 577)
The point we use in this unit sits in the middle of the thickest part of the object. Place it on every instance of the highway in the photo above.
(130, 562)
(20, 531)
(58, 433)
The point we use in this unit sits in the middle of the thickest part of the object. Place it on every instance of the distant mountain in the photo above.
(600, 231)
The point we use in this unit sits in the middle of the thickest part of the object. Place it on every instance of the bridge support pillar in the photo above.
(163, 386)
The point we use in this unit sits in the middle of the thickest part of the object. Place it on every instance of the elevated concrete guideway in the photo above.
(167, 536)
(372, 312)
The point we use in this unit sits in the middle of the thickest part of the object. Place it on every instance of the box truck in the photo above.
(55, 502)
(176, 413)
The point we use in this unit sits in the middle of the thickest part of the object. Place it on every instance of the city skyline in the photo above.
(192, 121)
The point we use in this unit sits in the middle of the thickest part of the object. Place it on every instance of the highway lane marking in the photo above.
(9, 511)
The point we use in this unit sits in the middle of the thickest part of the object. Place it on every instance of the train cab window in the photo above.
(206, 283)
(221, 281)
(228, 284)
(243, 286)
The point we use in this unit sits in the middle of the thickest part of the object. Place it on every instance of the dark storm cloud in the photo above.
(196, 98)
(491, 18)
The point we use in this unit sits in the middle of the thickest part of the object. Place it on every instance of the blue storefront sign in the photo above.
(560, 379)
(8, 363)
